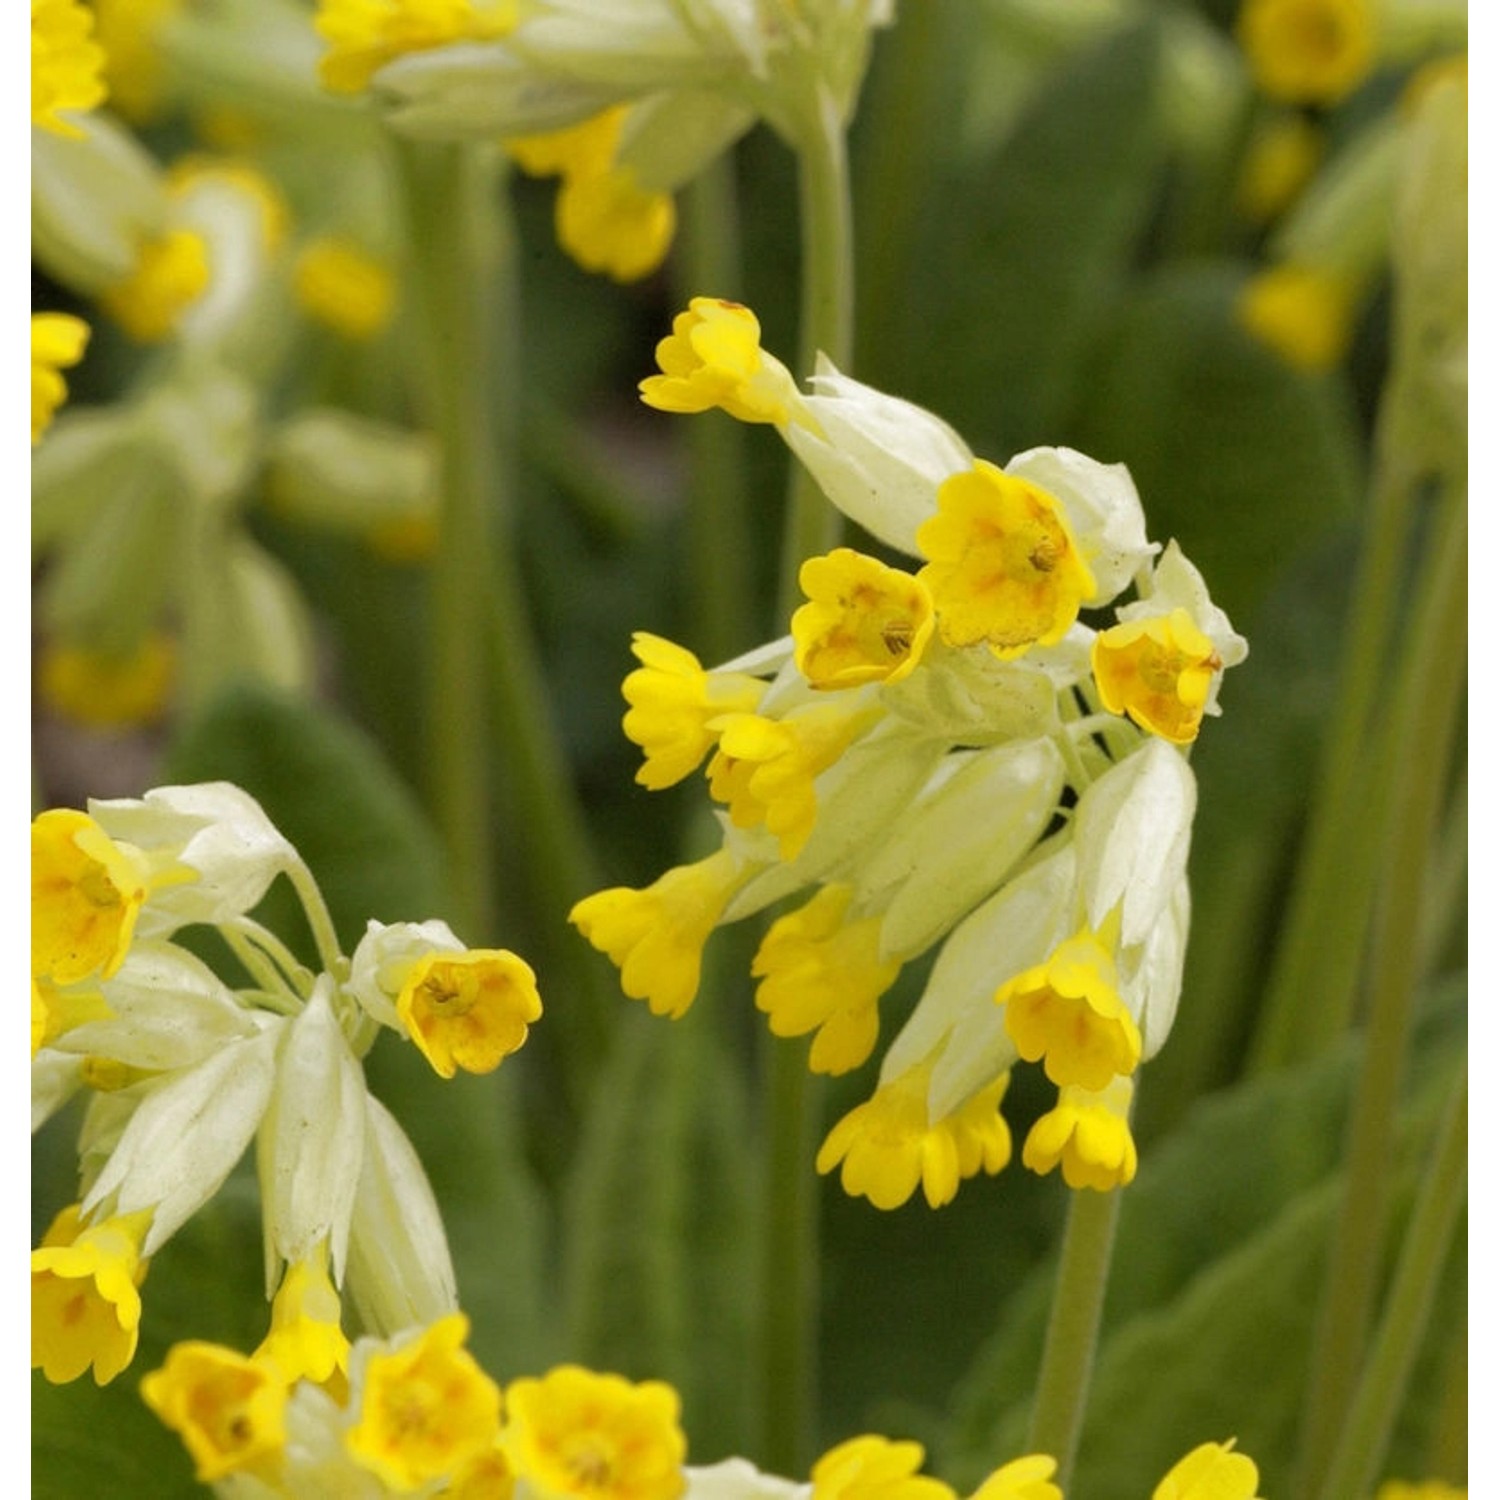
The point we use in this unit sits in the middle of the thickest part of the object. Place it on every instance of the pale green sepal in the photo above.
(215, 829)
(267, 625)
(1151, 979)
(956, 843)
(971, 697)
(1102, 507)
(668, 139)
(187, 1134)
(348, 473)
(206, 427)
(90, 453)
(1342, 222)
(169, 1011)
(1132, 829)
(739, 1479)
(480, 91)
(1017, 927)
(879, 459)
(762, 661)
(400, 1271)
(385, 956)
(311, 1142)
(55, 1078)
(92, 203)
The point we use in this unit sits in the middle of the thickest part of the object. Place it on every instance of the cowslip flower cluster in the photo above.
(942, 758)
(416, 1414)
(624, 103)
(184, 1071)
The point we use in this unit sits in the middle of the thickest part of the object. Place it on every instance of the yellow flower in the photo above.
(86, 891)
(364, 35)
(864, 621)
(342, 287)
(486, 1477)
(1308, 51)
(57, 342)
(655, 936)
(229, 1411)
(107, 691)
(765, 769)
(171, 273)
(1279, 162)
(1210, 1472)
(427, 1408)
(305, 1341)
(85, 1309)
(1002, 562)
(57, 1010)
(1089, 1134)
(1028, 1478)
(1067, 1013)
(713, 358)
(66, 63)
(579, 150)
(596, 1437)
(133, 57)
(672, 699)
(818, 971)
(468, 1010)
(614, 227)
(1304, 314)
(888, 1144)
(1157, 670)
(874, 1468)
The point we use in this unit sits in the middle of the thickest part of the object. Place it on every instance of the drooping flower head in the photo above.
(469, 1010)
(713, 358)
(1088, 1135)
(66, 64)
(863, 622)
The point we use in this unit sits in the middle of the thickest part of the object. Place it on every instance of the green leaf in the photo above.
(1246, 461)
(1001, 322)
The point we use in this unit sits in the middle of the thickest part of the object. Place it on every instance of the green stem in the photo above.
(267, 975)
(449, 195)
(267, 957)
(1372, 1416)
(1448, 1452)
(319, 919)
(718, 529)
(1415, 761)
(790, 1253)
(1073, 1328)
(827, 321)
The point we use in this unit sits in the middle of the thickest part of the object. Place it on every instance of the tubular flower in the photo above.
(1067, 1014)
(306, 1341)
(874, 1468)
(1308, 51)
(133, 56)
(672, 702)
(469, 1010)
(56, 1011)
(863, 622)
(364, 35)
(764, 769)
(426, 1408)
(656, 936)
(580, 150)
(889, 1144)
(613, 226)
(57, 343)
(1159, 671)
(596, 1437)
(1002, 562)
(86, 892)
(344, 288)
(1212, 1471)
(104, 690)
(1028, 1478)
(85, 1309)
(229, 1411)
(66, 64)
(1089, 1134)
(488, 1476)
(171, 273)
(819, 971)
(1304, 314)
(713, 358)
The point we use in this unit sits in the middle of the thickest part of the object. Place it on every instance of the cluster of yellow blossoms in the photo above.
(415, 1414)
(947, 756)
(184, 1071)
